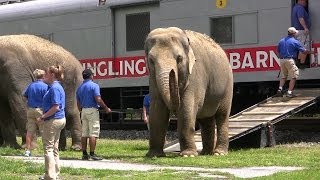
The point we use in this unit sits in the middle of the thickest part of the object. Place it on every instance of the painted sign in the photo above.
(106, 68)
(221, 4)
(256, 59)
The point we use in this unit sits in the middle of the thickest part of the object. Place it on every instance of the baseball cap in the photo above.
(292, 30)
(86, 73)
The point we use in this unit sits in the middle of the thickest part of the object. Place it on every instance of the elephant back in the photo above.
(34, 52)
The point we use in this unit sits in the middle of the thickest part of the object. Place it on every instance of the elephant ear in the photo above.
(192, 58)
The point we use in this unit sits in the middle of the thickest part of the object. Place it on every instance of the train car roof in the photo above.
(122, 3)
(39, 8)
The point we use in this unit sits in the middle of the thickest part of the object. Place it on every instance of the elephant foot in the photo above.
(76, 147)
(155, 153)
(188, 153)
(206, 152)
(219, 152)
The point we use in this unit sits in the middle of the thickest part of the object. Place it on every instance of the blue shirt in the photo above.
(299, 11)
(55, 96)
(146, 102)
(289, 47)
(35, 92)
(86, 94)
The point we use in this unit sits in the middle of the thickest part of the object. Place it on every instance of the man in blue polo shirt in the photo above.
(146, 106)
(300, 19)
(34, 94)
(288, 49)
(88, 101)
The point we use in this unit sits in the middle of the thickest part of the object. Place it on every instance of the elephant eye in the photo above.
(179, 58)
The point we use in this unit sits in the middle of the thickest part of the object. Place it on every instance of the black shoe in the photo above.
(85, 157)
(279, 93)
(95, 157)
(290, 95)
(41, 178)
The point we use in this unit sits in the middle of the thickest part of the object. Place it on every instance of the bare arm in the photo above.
(79, 106)
(145, 117)
(102, 104)
(49, 113)
(303, 24)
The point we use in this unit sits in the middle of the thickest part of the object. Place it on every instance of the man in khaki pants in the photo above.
(288, 48)
(88, 101)
(34, 94)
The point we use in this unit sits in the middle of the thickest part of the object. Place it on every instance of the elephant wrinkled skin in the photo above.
(190, 75)
(20, 55)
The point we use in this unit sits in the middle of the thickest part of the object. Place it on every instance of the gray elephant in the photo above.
(190, 75)
(20, 55)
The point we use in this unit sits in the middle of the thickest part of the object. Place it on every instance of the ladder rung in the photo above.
(262, 113)
(249, 120)
(279, 105)
(240, 127)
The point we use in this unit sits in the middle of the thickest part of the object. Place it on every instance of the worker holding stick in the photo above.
(88, 101)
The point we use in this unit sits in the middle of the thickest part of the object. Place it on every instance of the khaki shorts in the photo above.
(289, 69)
(90, 122)
(32, 115)
(304, 39)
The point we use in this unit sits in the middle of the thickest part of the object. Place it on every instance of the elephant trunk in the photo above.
(174, 91)
(168, 88)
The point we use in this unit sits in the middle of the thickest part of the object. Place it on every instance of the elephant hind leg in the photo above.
(222, 122)
(207, 127)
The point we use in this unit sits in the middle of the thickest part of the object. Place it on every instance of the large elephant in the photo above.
(190, 75)
(20, 55)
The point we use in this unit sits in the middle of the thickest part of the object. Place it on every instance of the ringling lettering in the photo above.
(106, 68)
(241, 60)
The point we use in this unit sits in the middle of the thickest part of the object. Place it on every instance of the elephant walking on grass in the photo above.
(190, 75)
(20, 55)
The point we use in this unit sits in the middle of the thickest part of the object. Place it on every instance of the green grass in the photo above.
(307, 156)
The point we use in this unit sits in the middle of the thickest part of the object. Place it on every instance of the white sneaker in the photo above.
(27, 153)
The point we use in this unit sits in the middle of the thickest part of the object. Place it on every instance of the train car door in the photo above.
(305, 38)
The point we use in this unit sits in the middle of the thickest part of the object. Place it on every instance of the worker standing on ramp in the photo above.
(288, 49)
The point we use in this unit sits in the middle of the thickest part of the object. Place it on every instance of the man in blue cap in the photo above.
(288, 49)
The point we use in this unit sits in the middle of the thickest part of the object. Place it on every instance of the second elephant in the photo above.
(190, 75)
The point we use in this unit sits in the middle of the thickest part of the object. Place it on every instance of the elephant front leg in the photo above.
(158, 123)
(9, 136)
(207, 135)
(8, 128)
(186, 130)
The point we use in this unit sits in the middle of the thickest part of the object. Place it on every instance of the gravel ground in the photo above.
(133, 134)
(282, 137)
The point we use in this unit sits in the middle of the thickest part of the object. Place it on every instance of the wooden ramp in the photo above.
(261, 115)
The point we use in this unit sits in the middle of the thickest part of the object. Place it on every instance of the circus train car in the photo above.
(108, 37)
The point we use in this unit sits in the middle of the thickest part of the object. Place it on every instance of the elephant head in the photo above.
(170, 60)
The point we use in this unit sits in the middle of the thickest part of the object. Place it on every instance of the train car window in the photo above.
(221, 29)
(137, 29)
